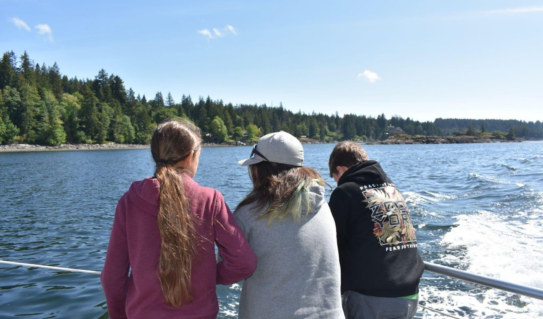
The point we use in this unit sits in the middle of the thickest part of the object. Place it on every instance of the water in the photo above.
(476, 207)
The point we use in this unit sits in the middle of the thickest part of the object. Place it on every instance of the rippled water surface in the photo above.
(477, 207)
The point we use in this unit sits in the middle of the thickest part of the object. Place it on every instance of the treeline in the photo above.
(529, 130)
(39, 105)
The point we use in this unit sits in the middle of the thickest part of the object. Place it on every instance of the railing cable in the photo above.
(50, 267)
(485, 281)
(442, 270)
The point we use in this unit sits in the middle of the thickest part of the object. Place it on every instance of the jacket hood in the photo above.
(366, 172)
(146, 193)
(316, 199)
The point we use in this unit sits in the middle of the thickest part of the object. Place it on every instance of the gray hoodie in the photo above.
(297, 273)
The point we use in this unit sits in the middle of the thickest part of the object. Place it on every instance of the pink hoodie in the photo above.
(135, 245)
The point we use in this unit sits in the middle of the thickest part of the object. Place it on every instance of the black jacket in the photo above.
(376, 239)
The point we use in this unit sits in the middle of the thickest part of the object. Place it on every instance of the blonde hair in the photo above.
(172, 142)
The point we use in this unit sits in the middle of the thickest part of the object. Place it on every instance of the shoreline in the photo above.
(27, 148)
(24, 148)
(441, 140)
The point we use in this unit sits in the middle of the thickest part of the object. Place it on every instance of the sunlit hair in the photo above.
(172, 142)
(280, 190)
(346, 154)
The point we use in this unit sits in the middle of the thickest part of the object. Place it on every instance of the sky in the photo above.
(420, 59)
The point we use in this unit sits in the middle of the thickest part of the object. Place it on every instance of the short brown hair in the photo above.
(346, 154)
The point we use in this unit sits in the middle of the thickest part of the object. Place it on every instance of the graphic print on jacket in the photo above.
(390, 215)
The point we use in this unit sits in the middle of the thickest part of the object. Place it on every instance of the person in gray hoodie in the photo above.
(290, 227)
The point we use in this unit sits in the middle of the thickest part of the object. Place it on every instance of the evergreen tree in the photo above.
(322, 132)
(158, 101)
(90, 118)
(471, 131)
(228, 122)
(118, 91)
(170, 101)
(511, 135)
(188, 106)
(104, 122)
(32, 111)
(143, 126)
(27, 69)
(8, 131)
(130, 105)
(55, 81)
(7, 69)
(313, 129)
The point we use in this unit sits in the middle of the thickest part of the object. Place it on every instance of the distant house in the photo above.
(393, 130)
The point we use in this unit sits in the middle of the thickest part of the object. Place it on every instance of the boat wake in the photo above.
(495, 246)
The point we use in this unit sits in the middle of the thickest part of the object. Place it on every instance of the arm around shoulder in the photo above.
(239, 260)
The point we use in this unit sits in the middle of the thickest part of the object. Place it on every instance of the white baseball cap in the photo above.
(279, 147)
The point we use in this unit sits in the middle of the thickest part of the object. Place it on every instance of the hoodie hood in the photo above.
(146, 193)
(366, 172)
(316, 198)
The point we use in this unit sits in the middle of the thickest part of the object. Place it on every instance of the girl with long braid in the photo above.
(161, 261)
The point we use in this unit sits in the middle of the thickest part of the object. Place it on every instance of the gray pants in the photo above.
(358, 306)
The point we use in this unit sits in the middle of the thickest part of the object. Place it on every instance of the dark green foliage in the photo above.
(56, 81)
(163, 113)
(238, 133)
(90, 118)
(7, 69)
(39, 105)
(51, 131)
(511, 135)
(32, 112)
(143, 126)
(471, 131)
(529, 130)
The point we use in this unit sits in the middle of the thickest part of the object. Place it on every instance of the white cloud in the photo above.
(217, 33)
(206, 33)
(519, 10)
(20, 24)
(231, 29)
(368, 75)
(45, 29)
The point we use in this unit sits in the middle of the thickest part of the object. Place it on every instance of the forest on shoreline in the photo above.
(39, 105)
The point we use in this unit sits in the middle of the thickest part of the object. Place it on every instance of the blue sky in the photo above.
(418, 59)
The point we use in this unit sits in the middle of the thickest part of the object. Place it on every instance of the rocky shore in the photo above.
(439, 140)
(13, 148)
(68, 147)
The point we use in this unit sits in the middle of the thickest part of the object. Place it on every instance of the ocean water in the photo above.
(476, 207)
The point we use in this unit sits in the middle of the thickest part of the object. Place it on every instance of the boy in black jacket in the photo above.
(380, 264)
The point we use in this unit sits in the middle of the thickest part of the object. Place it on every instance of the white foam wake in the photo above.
(501, 248)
